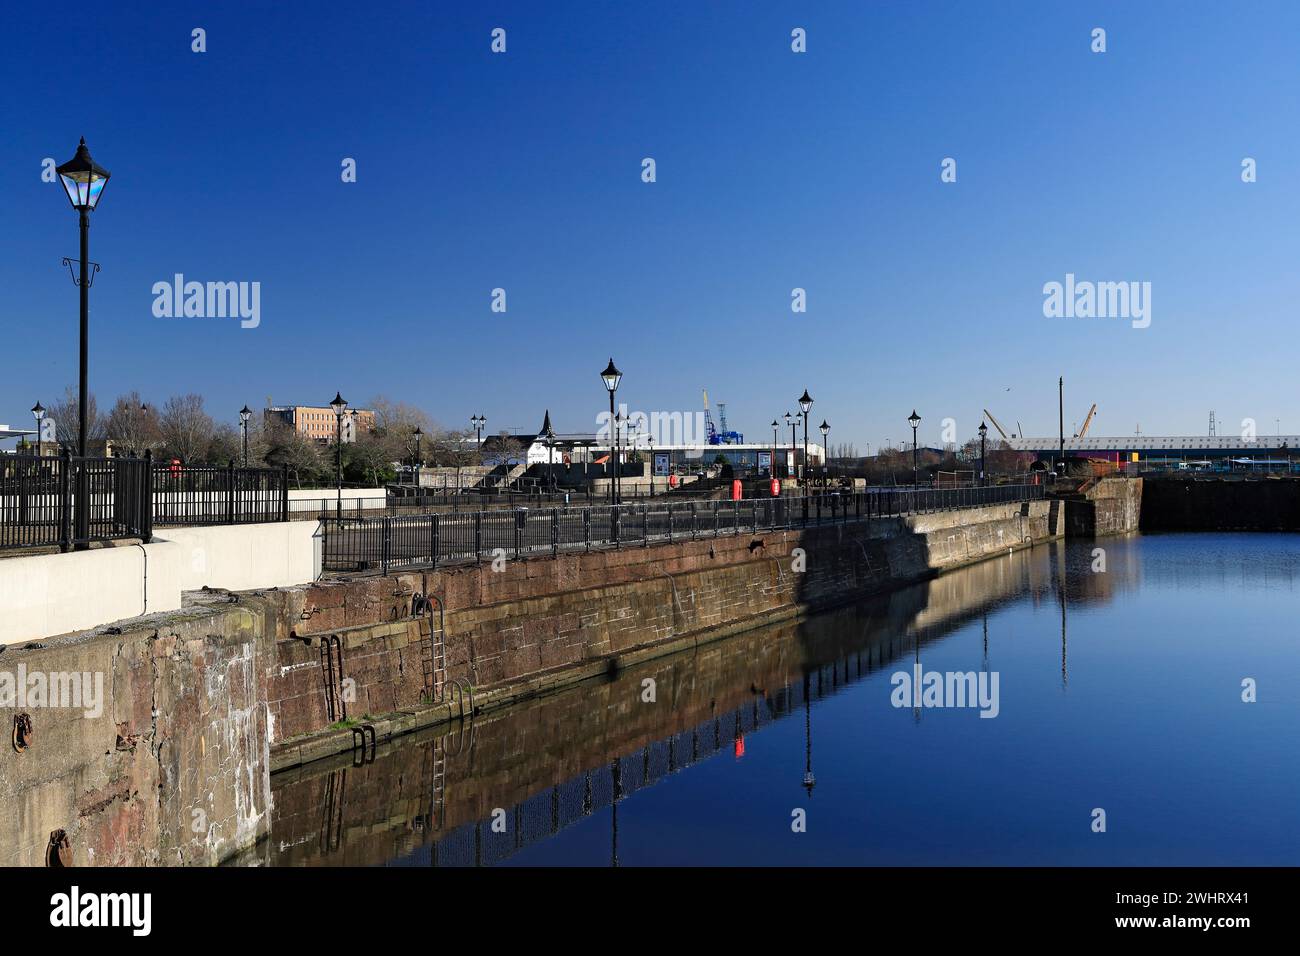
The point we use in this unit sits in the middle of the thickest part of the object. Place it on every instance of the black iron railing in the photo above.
(187, 495)
(66, 501)
(399, 541)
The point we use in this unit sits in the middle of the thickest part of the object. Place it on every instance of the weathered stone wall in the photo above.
(545, 614)
(1108, 506)
(1217, 504)
(182, 729)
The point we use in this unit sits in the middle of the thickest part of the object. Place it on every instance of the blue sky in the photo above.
(775, 170)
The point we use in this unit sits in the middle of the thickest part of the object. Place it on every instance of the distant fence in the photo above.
(68, 501)
(398, 541)
(186, 495)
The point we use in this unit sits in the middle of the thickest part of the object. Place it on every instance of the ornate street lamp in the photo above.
(340, 405)
(805, 406)
(826, 452)
(38, 412)
(793, 423)
(419, 460)
(84, 181)
(611, 377)
(914, 420)
(984, 430)
(244, 414)
(772, 471)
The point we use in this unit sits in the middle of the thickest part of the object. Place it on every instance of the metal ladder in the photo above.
(433, 654)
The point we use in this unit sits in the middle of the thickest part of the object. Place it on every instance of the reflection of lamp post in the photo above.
(984, 430)
(616, 771)
(611, 377)
(809, 781)
(914, 420)
(805, 405)
(339, 405)
(244, 414)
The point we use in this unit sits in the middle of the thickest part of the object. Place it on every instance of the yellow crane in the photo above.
(1087, 421)
(996, 424)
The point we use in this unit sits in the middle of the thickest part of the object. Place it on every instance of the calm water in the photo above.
(1118, 690)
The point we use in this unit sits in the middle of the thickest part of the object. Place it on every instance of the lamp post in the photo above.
(38, 412)
(419, 459)
(340, 406)
(805, 405)
(790, 420)
(826, 453)
(984, 430)
(914, 420)
(244, 414)
(477, 423)
(775, 425)
(84, 181)
(611, 377)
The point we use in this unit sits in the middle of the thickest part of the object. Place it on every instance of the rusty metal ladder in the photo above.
(433, 655)
(332, 667)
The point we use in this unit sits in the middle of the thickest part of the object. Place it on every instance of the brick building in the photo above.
(317, 421)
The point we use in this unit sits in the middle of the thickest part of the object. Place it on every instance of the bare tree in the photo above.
(66, 414)
(399, 418)
(131, 425)
(186, 429)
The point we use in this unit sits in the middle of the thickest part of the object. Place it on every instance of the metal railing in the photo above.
(66, 501)
(59, 500)
(191, 495)
(401, 541)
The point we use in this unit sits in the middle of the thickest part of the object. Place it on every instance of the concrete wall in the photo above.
(47, 594)
(1106, 506)
(247, 557)
(311, 500)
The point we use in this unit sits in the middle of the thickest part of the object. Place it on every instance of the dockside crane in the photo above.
(998, 425)
(1087, 421)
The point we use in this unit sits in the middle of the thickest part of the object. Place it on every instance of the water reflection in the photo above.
(510, 784)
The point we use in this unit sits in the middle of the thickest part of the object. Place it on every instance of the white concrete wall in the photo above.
(309, 500)
(243, 557)
(47, 594)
